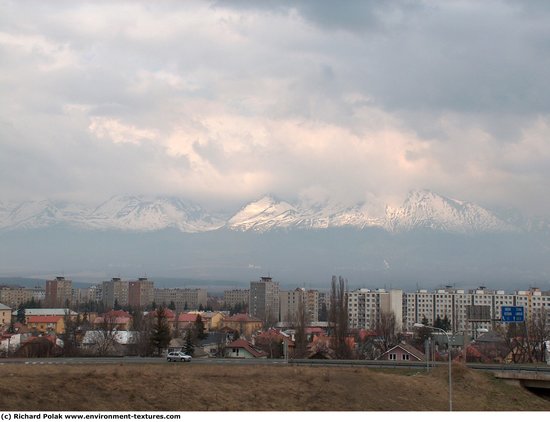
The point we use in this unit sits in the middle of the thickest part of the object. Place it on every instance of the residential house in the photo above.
(403, 352)
(244, 324)
(186, 321)
(214, 344)
(275, 343)
(5, 315)
(114, 320)
(212, 320)
(47, 312)
(11, 342)
(114, 343)
(319, 348)
(242, 349)
(46, 324)
(39, 347)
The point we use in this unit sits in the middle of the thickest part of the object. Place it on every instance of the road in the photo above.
(217, 361)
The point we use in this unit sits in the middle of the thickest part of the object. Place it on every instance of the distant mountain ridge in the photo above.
(422, 209)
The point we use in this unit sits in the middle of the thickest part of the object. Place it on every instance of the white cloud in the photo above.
(353, 103)
(119, 133)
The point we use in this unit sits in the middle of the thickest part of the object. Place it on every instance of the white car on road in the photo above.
(178, 356)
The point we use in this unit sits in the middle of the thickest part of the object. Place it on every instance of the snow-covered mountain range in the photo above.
(420, 210)
(135, 213)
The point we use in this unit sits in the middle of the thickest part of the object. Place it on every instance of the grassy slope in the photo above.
(184, 387)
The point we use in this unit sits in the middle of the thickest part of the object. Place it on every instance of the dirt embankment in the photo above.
(188, 387)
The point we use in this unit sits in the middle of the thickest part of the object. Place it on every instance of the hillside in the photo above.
(193, 387)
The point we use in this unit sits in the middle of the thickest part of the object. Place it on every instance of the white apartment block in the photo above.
(236, 296)
(366, 306)
(14, 296)
(115, 291)
(184, 299)
(471, 310)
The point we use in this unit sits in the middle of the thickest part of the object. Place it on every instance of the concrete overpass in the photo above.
(529, 379)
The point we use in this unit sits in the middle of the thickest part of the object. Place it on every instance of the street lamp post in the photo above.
(420, 325)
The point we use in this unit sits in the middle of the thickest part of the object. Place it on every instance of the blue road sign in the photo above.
(512, 314)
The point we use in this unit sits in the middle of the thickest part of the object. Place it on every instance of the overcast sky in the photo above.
(223, 102)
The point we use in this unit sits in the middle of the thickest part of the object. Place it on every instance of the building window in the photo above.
(392, 356)
(406, 357)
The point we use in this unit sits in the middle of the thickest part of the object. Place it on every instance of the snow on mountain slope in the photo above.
(425, 209)
(269, 213)
(118, 213)
(263, 215)
(150, 214)
(37, 214)
(420, 210)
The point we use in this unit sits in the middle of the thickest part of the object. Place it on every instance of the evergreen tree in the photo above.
(189, 347)
(199, 332)
(172, 306)
(21, 315)
(422, 334)
(160, 335)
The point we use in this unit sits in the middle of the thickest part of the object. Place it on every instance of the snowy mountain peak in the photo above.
(425, 209)
(262, 215)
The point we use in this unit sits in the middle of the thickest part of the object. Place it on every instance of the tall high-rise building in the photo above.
(141, 293)
(365, 307)
(59, 292)
(289, 302)
(115, 291)
(264, 300)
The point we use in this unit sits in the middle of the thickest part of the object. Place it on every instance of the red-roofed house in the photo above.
(38, 347)
(212, 320)
(242, 349)
(115, 320)
(272, 342)
(46, 324)
(186, 321)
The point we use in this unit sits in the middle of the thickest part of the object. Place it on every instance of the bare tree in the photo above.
(338, 318)
(513, 335)
(104, 336)
(70, 336)
(142, 326)
(539, 332)
(386, 330)
(525, 341)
